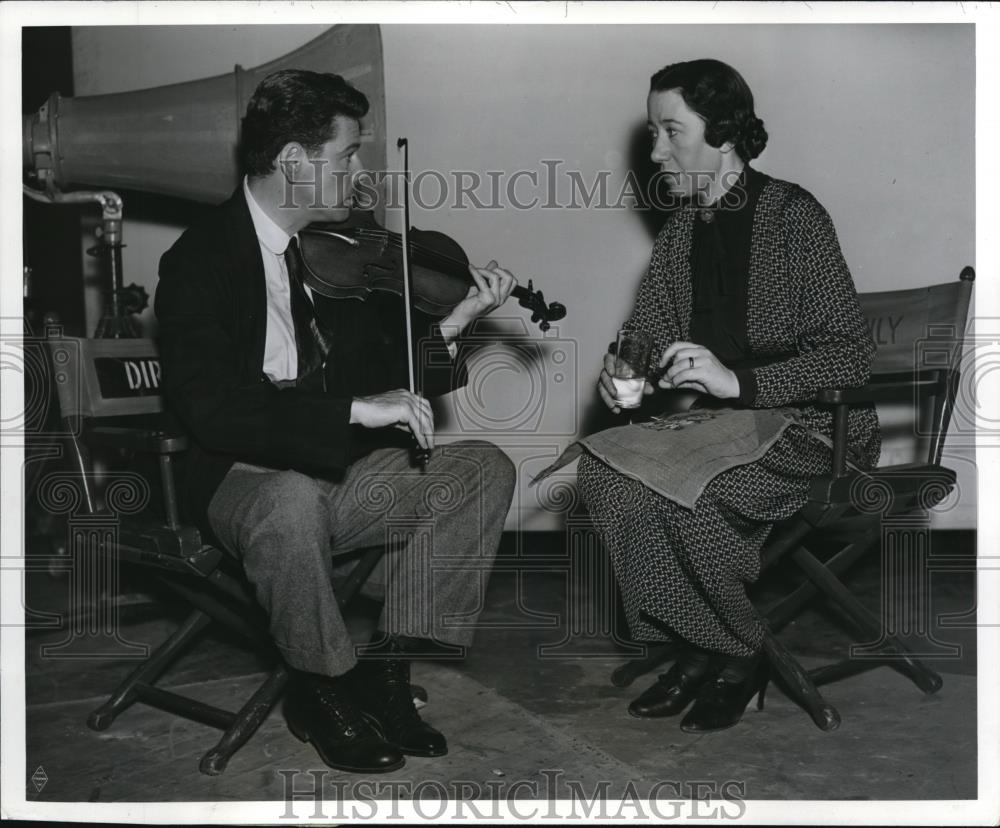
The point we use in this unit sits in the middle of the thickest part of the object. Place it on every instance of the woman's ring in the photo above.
(691, 361)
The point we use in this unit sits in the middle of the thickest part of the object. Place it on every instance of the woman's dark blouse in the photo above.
(720, 267)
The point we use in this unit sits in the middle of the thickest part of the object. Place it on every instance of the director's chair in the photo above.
(919, 334)
(111, 406)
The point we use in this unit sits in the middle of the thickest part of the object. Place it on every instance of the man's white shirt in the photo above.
(281, 360)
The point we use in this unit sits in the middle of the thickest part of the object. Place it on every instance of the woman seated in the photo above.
(749, 301)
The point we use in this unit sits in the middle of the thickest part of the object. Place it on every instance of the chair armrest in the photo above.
(880, 391)
(884, 387)
(151, 441)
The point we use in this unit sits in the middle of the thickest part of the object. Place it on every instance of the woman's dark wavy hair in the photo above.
(295, 105)
(718, 93)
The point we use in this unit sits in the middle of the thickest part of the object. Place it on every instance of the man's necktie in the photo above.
(312, 341)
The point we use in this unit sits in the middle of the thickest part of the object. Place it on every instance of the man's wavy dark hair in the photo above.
(720, 96)
(295, 105)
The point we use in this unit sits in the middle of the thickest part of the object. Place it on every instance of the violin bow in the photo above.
(421, 455)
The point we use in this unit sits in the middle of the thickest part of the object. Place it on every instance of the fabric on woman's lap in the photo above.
(677, 455)
(687, 569)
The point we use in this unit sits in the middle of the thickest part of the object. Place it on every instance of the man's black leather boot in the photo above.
(320, 710)
(380, 685)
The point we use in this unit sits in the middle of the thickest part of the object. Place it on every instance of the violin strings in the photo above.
(414, 246)
(396, 240)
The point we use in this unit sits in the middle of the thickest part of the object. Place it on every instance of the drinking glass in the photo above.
(631, 360)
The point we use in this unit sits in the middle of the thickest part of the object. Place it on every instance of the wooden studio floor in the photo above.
(530, 704)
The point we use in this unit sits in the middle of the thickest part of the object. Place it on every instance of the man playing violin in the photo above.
(296, 403)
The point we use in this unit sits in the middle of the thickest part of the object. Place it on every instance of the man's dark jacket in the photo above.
(211, 307)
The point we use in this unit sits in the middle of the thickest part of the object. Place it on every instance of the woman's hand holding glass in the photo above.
(695, 367)
(606, 385)
(623, 382)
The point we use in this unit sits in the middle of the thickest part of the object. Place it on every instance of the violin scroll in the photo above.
(541, 313)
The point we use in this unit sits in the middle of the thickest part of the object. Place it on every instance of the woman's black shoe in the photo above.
(720, 703)
(673, 691)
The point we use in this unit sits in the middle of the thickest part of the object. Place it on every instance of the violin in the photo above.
(353, 258)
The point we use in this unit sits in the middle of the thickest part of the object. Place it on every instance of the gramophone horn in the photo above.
(181, 140)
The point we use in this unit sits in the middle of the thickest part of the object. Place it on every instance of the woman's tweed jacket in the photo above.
(682, 572)
(800, 299)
